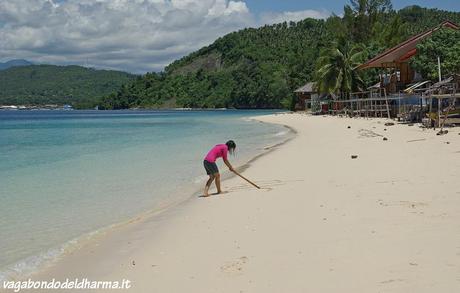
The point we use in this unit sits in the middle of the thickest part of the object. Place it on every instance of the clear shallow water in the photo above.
(67, 173)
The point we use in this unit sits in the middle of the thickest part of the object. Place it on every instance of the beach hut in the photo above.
(396, 60)
(400, 91)
(308, 98)
(305, 96)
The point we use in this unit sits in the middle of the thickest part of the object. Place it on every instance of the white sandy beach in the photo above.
(388, 221)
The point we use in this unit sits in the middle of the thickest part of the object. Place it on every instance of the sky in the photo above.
(141, 36)
(336, 6)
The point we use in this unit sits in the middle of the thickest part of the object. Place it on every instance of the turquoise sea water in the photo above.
(64, 174)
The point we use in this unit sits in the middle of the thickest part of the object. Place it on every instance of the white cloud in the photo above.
(278, 17)
(132, 35)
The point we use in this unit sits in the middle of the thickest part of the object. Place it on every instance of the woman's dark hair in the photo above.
(231, 146)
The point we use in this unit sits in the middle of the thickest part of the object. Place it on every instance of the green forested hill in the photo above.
(48, 84)
(419, 19)
(246, 69)
(260, 68)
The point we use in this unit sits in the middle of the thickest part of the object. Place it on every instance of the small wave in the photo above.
(281, 133)
(32, 264)
(247, 119)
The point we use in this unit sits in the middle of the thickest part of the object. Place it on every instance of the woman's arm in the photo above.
(229, 165)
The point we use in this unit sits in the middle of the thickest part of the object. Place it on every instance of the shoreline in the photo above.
(321, 219)
(54, 255)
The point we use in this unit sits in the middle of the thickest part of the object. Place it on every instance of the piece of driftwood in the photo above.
(442, 132)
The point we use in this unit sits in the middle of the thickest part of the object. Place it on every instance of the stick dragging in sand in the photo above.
(252, 183)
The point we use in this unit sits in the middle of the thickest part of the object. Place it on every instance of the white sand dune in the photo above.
(387, 221)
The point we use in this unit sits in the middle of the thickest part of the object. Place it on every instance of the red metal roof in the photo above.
(403, 51)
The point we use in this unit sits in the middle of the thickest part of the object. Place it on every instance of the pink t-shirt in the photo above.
(219, 151)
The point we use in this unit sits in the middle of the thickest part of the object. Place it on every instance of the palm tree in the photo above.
(361, 15)
(337, 69)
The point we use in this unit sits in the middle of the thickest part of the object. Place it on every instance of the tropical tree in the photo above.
(389, 33)
(337, 69)
(361, 16)
(444, 44)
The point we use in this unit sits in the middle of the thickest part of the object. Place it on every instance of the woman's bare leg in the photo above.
(208, 184)
(217, 175)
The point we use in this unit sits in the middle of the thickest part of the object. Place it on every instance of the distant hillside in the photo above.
(48, 84)
(13, 63)
(260, 68)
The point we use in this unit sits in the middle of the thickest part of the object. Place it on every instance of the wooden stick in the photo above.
(252, 183)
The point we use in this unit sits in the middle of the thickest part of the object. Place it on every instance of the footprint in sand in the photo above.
(408, 204)
(392, 281)
(413, 204)
(234, 267)
(366, 133)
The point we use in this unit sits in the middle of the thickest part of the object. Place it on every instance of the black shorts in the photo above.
(211, 168)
